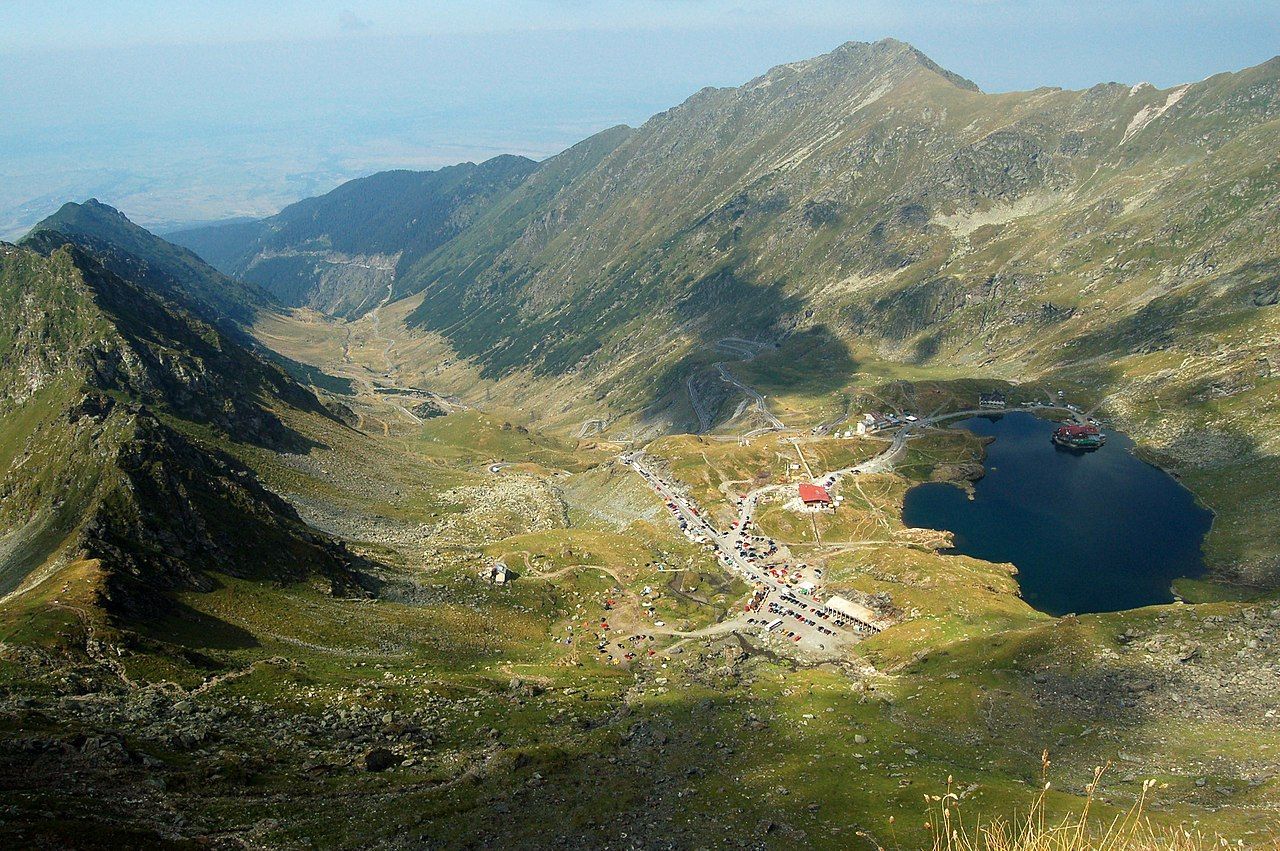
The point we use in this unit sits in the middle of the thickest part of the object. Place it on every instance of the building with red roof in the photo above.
(814, 495)
(1079, 436)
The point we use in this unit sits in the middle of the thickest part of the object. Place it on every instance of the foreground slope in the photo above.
(597, 694)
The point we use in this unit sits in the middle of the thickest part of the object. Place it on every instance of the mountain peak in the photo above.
(91, 210)
(133, 252)
(863, 61)
(888, 52)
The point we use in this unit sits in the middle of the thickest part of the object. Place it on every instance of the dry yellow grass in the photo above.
(1080, 830)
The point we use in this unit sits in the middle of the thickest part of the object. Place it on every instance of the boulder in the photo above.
(380, 759)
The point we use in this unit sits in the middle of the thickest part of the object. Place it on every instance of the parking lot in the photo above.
(781, 589)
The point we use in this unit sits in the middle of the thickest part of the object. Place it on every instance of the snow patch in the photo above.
(1149, 113)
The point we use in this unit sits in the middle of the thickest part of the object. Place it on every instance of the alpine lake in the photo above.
(1089, 531)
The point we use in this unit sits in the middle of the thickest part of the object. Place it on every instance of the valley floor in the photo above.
(613, 693)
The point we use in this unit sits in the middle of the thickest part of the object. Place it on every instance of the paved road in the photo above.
(450, 402)
(408, 413)
(377, 325)
(391, 369)
(730, 378)
(704, 417)
(746, 351)
(886, 461)
(822, 635)
(729, 545)
(592, 426)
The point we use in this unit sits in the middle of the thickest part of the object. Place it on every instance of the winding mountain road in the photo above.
(747, 350)
(761, 407)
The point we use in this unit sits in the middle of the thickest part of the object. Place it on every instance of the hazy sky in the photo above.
(182, 111)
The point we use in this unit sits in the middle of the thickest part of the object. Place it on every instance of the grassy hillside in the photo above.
(99, 377)
(478, 246)
(777, 206)
(505, 724)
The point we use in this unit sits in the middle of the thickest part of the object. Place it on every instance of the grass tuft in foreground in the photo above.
(1079, 830)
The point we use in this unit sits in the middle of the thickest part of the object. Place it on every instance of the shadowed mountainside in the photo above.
(135, 253)
(340, 252)
(99, 379)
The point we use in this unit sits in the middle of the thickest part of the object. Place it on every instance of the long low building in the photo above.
(855, 611)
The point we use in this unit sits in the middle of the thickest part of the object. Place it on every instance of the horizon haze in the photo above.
(309, 95)
(641, 424)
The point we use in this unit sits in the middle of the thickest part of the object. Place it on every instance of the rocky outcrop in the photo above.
(179, 511)
(100, 372)
(325, 280)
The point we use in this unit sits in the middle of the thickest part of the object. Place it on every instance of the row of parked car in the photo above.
(820, 612)
(771, 626)
(774, 608)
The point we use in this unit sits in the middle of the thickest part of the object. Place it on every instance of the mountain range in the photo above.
(382, 521)
(1120, 239)
(339, 253)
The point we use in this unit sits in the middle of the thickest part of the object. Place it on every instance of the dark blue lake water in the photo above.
(1089, 531)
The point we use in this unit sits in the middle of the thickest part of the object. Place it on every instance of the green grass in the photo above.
(474, 437)
(948, 691)
(1208, 591)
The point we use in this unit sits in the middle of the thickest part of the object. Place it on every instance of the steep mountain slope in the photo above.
(478, 246)
(161, 355)
(137, 254)
(103, 385)
(1123, 238)
(340, 252)
(865, 190)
